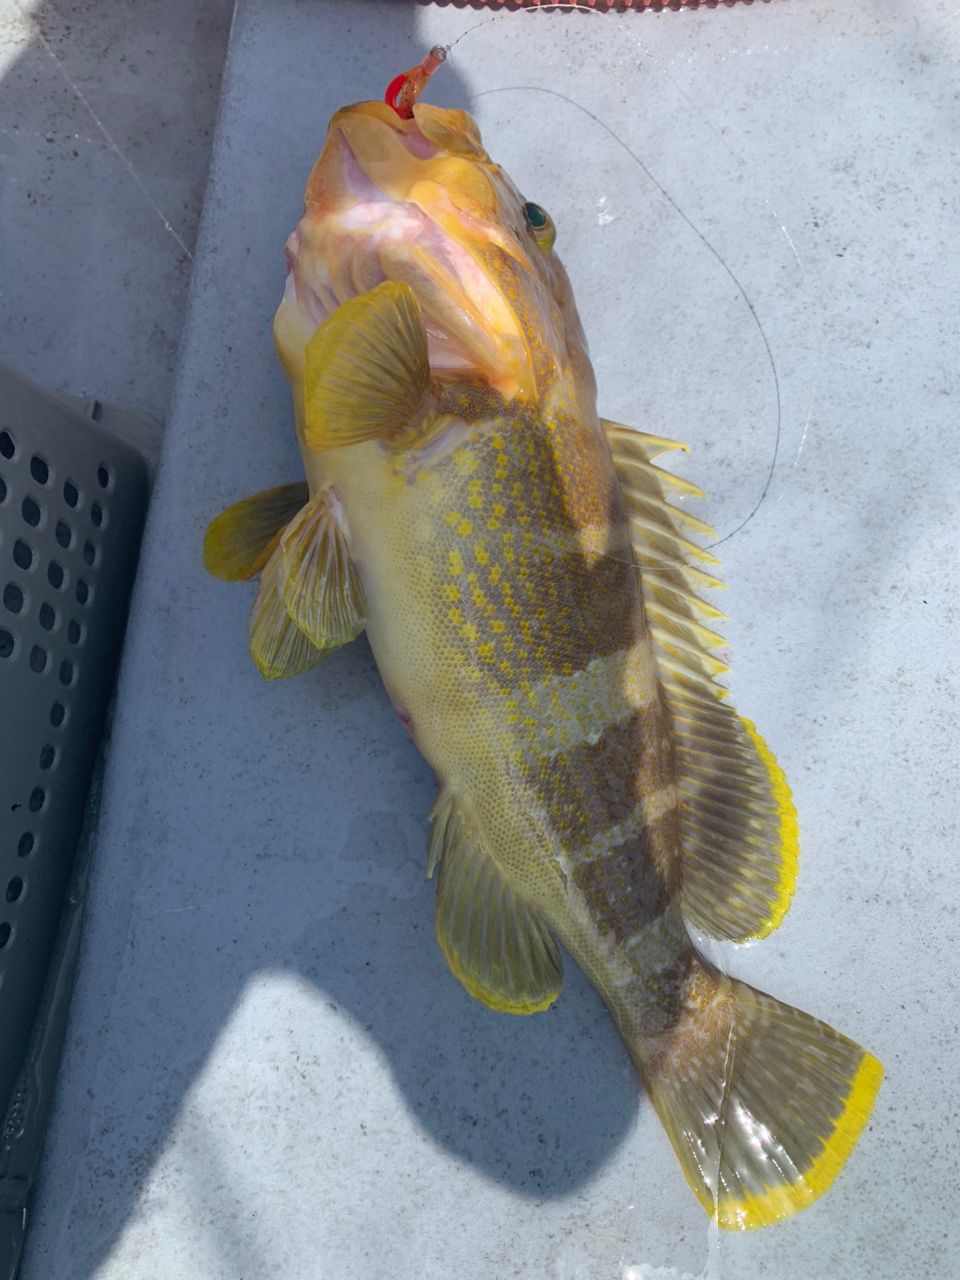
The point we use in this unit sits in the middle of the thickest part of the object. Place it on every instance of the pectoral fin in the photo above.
(498, 947)
(239, 541)
(738, 826)
(366, 373)
(321, 588)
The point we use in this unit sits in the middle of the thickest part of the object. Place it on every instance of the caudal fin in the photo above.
(762, 1102)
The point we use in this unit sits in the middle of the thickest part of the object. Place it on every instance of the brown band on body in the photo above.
(589, 789)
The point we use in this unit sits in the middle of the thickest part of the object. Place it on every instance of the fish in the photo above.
(533, 594)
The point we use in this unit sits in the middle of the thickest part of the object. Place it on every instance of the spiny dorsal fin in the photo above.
(738, 826)
(366, 372)
(239, 541)
(320, 585)
(496, 945)
(277, 645)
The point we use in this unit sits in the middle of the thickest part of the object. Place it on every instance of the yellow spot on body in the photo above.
(452, 593)
(469, 632)
(494, 574)
(480, 554)
(455, 562)
(465, 528)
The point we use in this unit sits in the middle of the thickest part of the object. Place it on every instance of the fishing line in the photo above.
(678, 209)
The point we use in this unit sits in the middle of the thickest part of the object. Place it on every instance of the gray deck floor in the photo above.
(270, 1073)
(107, 109)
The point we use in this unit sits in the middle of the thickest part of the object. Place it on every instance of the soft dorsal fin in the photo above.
(496, 945)
(239, 541)
(320, 585)
(738, 826)
(366, 371)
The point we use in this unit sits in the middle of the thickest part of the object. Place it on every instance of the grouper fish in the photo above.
(529, 592)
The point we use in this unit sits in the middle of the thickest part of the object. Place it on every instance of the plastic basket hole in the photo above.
(7, 445)
(82, 591)
(39, 469)
(96, 515)
(104, 477)
(26, 844)
(71, 494)
(47, 616)
(7, 643)
(58, 713)
(12, 597)
(64, 534)
(68, 673)
(22, 554)
(55, 575)
(48, 756)
(3, 489)
(5, 931)
(38, 659)
(38, 798)
(14, 888)
(90, 553)
(74, 631)
(30, 510)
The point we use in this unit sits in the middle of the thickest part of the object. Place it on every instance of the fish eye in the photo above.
(541, 224)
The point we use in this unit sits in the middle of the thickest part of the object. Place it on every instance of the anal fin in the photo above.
(496, 945)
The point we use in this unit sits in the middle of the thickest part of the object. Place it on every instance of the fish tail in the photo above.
(763, 1103)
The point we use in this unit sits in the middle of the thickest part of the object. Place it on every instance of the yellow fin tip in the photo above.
(789, 835)
(783, 1201)
(492, 999)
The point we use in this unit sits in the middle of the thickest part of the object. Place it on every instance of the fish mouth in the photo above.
(419, 201)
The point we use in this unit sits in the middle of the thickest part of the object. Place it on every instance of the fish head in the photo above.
(420, 201)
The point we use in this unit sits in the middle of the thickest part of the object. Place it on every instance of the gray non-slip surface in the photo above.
(270, 1072)
(107, 110)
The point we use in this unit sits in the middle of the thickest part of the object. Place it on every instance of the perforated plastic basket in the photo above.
(74, 488)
